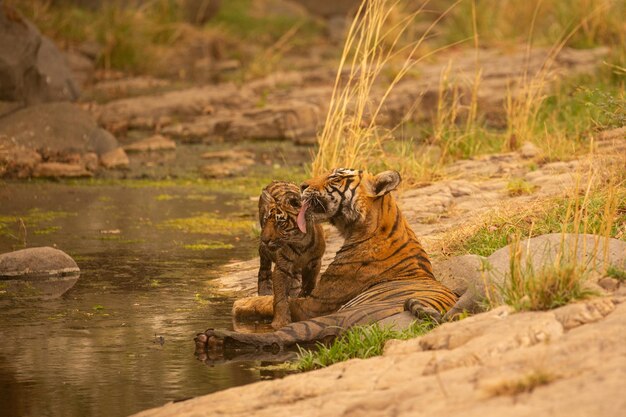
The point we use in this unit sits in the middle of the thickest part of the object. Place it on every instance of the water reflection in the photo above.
(120, 340)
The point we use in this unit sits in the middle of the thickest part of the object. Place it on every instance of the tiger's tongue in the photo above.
(301, 219)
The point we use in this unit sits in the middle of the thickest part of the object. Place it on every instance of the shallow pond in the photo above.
(120, 340)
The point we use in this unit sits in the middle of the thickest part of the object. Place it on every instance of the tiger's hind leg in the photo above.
(254, 308)
(422, 311)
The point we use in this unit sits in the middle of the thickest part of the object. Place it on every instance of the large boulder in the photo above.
(37, 272)
(32, 69)
(479, 274)
(59, 133)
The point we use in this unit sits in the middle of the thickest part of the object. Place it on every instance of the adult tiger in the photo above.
(380, 270)
(296, 255)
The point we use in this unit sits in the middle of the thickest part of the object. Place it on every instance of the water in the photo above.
(98, 349)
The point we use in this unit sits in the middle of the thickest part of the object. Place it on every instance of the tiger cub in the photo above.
(296, 254)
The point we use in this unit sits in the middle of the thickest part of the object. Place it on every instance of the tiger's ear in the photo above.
(266, 197)
(385, 182)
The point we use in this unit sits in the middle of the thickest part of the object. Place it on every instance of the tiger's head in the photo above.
(344, 196)
(279, 204)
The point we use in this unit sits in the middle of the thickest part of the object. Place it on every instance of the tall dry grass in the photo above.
(351, 136)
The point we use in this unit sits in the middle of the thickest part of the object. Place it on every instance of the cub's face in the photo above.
(278, 209)
(344, 196)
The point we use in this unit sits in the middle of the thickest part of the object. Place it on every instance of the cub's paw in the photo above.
(265, 283)
(280, 322)
(421, 311)
(254, 308)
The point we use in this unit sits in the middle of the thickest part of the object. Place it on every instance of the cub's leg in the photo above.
(253, 308)
(281, 281)
(309, 276)
(295, 288)
(265, 273)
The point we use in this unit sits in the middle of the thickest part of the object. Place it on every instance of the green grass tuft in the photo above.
(617, 273)
(358, 342)
(551, 287)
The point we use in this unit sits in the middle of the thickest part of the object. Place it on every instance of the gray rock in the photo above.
(595, 252)
(37, 272)
(296, 121)
(152, 144)
(59, 133)
(56, 128)
(60, 169)
(32, 69)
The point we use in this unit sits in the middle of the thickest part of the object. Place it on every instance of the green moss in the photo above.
(208, 224)
(519, 186)
(47, 230)
(31, 219)
(120, 239)
(203, 245)
(617, 273)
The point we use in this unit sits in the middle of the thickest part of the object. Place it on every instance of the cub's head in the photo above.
(344, 196)
(278, 210)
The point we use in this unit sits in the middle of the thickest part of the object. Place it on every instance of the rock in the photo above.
(37, 272)
(612, 134)
(17, 161)
(244, 157)
(56, 73)
(59, 170)
(463, 275)
(116, 158)
(529, 150)
(119, 114)
(112, 89)
(153, 143)
(553, 370)
(32, 69)
(609, 284)
(228, 163)
(82, 67)
(58, 133)
(56, 128)
(224, 169)
(296, 121)
(538, 253)
(200, 130)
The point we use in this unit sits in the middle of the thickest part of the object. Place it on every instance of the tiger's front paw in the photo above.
(421, 311)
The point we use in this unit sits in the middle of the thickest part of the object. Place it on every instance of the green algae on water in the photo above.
(208, 223)
(203, 245)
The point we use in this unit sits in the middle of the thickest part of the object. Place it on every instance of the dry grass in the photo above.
(525, 384)
(351, 136)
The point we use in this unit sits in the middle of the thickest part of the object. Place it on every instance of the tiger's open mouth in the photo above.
(310, 205)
